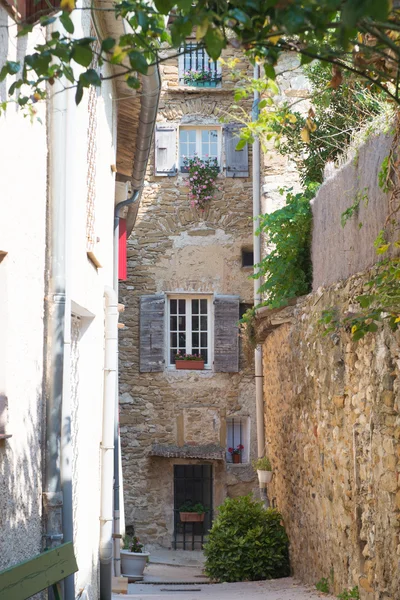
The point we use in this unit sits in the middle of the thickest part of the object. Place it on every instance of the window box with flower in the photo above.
(193, 362)
(236, 453)
(201, 78)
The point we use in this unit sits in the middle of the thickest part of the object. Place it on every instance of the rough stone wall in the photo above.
(333, 428)
(339, 252)
(173, 248)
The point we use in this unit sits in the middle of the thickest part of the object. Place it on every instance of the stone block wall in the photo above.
(333, 428)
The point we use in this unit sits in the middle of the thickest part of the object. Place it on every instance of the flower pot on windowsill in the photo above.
(191, 517)
(236, 459)
(192, 365)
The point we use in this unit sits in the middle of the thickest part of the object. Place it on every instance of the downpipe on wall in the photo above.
(117, 455)
(55, 323)
(107, 442)
(257, 296)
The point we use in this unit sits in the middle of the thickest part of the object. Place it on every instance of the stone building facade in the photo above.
(176, 425)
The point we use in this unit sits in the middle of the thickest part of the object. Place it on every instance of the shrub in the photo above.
(246, 543)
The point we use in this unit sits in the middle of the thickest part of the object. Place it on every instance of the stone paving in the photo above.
(178, 575)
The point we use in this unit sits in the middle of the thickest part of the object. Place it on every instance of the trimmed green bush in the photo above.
(246, 543)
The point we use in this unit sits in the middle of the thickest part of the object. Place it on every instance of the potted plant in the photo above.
(194, 362)
(133, 558)
(192, 513)
(201, 78)
(264, 469)
(203, 173)
(236, 453)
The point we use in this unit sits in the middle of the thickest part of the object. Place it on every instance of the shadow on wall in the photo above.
(21, 490)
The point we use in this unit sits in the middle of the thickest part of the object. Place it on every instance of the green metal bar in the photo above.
(25, 579)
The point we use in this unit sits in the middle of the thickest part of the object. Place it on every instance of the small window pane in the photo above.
(182, 323)
(173, 305)
(203, 340)
(173, 323)
(182, 340)
(195, 323)
(204, 354)
(195, 307)
(174, 340)
(172, 356)
(195, 339)
(182, 307)
(203, 307)
(203, 323)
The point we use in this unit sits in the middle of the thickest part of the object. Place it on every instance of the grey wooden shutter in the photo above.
(165, 145)
(152, 337)
(226, 334)
(237, 161)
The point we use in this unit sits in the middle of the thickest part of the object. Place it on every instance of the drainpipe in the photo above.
(55, 321)
(257, 294)
(151, 86)
(107, 442)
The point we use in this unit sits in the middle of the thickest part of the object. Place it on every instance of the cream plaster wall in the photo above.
(23, 197)
(22, 236)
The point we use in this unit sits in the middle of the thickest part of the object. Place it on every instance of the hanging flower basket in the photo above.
(202, 176)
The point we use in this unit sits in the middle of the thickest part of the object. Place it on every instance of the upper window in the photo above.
(204, 142)
(189, 327)
(197, 69)
(237, 440)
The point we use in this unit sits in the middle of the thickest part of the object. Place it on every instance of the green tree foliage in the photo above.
(337, 114)
(246, 543)
(360, 36)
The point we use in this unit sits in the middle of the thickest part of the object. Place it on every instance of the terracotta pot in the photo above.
(191, 517)
(236, 458)
(192, 365)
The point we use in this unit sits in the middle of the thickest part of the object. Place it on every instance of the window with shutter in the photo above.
(226, 334)
(152, 336)
(165, 150)
(237, 161)
(189, 330)
(204, 142)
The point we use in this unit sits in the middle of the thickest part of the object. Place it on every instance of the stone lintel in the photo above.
(210, 451)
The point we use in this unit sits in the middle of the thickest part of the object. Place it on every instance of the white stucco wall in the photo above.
(23, 194)
(22, 235)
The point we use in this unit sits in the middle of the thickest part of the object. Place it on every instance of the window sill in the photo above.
(235, 465)
(198, 90)
(174, 369)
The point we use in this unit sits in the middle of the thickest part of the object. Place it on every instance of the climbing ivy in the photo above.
(286, 269)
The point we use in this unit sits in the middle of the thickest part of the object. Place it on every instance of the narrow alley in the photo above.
(180, 575)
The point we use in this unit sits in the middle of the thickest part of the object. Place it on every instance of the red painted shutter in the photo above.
(122, 255)
(32, 10)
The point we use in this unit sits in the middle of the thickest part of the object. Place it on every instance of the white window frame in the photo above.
(181, 70)
(199, 129)
(245, 422)
(210, 319)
